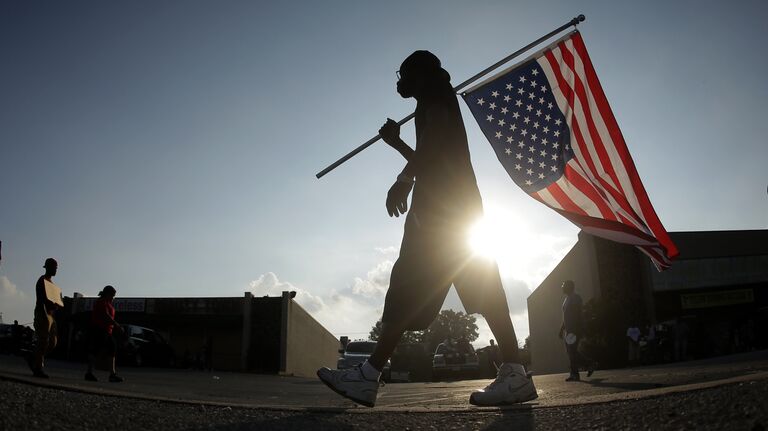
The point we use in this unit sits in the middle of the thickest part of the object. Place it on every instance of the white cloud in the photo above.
(8, 289)
(269, 284)
(391, 252)
(350, 311)
(15, 304)
(375, 285)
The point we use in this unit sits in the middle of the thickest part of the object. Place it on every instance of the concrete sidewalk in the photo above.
(293, 393)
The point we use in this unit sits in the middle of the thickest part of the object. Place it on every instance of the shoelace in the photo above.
(360, 369)
(499, 378)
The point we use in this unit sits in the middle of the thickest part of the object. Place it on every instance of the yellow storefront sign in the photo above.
(717, 299)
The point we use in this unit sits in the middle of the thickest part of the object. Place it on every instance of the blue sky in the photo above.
(169, 148)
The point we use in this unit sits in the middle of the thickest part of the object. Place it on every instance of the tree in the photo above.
(409, 337)
(447, 324)
(450, 324)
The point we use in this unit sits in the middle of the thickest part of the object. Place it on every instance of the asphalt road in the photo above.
(729, 393)
(254, 390)
(738, 406)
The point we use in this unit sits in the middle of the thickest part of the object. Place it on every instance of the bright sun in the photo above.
(500, 235)
(481, 238)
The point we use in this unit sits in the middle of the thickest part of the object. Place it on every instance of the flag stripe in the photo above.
(622, 159)
(577, 175)
(645, 208)
(614, 196)
(546, 197)
(565, 201)
(577, 189)
(583, 111)
(564, 97)
(612, 230)
(570, 105)
(607, 141)
(605, 145)
(563, 76)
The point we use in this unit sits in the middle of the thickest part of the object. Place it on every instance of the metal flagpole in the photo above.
(369, 142)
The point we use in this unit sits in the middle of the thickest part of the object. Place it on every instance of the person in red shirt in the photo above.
(101, 340)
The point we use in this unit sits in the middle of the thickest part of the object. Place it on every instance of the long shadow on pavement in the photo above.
(628, 386)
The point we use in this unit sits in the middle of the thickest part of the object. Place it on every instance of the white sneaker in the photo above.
(351, 383)
(511, 386)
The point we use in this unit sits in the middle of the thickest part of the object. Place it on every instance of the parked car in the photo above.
(356, 352)
(141, 346)
(455, 359)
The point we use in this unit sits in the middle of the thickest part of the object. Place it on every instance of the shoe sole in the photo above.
(344, 394)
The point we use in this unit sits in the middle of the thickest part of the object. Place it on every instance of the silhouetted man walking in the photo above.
(44, 323)
(435, 253)
(573, 328)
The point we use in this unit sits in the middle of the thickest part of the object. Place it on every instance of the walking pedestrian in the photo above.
(573, 331)
(101, 339)
(633, 344)
(435, 251)
(15, 338)
(48, 300)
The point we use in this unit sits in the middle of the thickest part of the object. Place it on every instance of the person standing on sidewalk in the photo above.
(633, 344)
(435, 251)
(101, 339)
(48, 300)
(573, 330)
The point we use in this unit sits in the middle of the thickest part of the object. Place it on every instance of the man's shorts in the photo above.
(431, 260)
(101, 341)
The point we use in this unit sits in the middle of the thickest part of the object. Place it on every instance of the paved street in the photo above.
(276, 392)
(735, 406)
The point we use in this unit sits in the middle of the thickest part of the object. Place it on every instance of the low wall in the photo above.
(308, 345)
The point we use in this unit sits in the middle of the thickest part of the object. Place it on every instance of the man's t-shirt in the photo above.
(633, 333)
(101, 309)
(572, 318)
(445, 195)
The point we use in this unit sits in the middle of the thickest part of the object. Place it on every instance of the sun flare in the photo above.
(500, 235)
(482, 240)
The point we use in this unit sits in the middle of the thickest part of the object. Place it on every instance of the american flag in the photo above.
(551, 127)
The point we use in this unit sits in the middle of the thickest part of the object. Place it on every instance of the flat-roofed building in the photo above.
(713, 298)
(273, 335)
